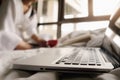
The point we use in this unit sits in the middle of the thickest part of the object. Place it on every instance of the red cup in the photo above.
(52, 43)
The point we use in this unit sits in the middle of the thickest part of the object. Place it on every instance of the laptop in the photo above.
(79, 59)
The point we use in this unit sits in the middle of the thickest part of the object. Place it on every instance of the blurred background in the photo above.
(60, 17)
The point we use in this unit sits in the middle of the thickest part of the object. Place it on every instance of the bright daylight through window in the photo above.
(48, 12)
(76, 8)
(104, 7)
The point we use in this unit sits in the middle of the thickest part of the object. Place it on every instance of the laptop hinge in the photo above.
(112, 58)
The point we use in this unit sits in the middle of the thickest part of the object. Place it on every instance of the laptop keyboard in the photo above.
(81, 57)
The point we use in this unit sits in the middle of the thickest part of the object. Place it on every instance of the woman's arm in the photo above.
(23, 46)
(37, 39)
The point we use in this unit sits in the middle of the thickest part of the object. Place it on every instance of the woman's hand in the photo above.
(41, 42)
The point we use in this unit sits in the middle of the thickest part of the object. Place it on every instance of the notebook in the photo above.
(79, 59)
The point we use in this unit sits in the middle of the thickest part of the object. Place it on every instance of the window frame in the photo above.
(62, 20)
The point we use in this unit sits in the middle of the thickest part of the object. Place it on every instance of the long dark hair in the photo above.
(34, 9)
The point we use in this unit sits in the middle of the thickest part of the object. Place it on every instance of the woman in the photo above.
(18, 19)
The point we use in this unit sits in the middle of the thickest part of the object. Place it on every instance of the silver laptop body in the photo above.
(66, 59)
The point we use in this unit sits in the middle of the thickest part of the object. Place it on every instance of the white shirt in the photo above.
(14, 24)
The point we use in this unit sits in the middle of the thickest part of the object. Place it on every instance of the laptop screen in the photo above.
(111, 41)
(115, 21)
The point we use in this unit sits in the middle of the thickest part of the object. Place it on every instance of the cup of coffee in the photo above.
(52, 43)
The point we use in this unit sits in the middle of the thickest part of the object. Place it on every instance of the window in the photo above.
(76, 8)
(70, 27)
(48, 31)
(104, 7)
(60, 17)
(48, 11)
